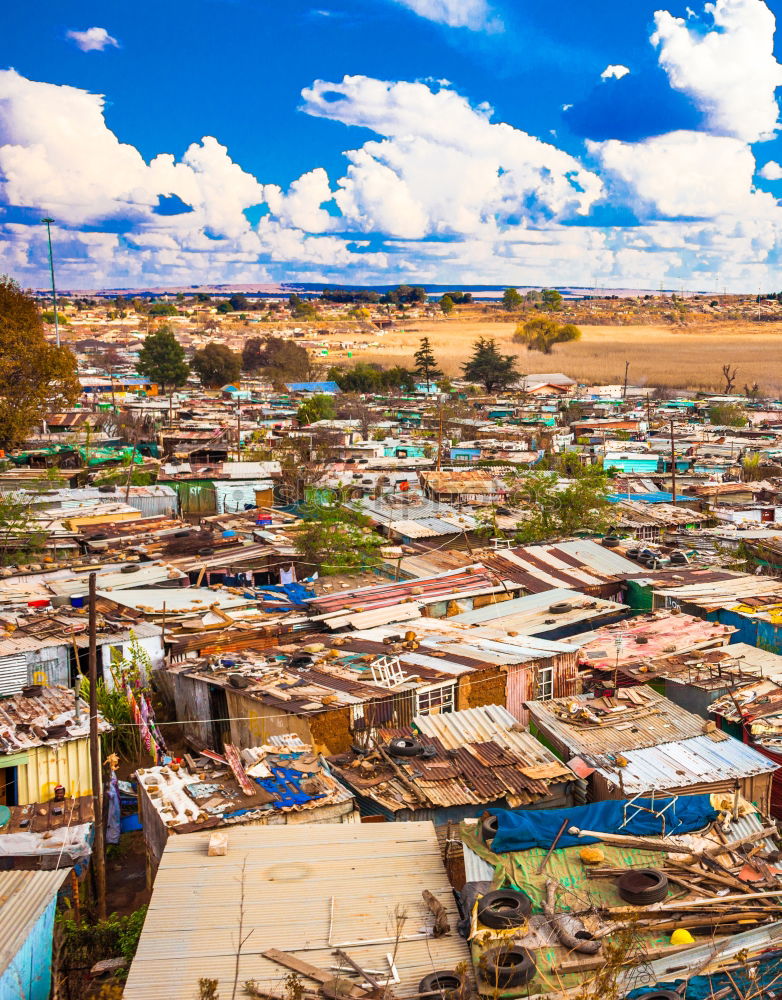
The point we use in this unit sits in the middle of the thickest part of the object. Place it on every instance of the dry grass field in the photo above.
(689, 357)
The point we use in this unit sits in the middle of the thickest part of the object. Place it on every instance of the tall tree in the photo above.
(426, 363)
(541, 333)
(317, 407)
(35, 376)
(511, 299)
(494, 371)
(551, 298)
(277, 358)
(558, 509)
(216, 365)
(446, 305)
(162, 359)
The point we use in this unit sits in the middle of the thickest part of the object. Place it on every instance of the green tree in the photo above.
(317, 407)
(494, 371)
(551, 298)
(302, 308)
(224, 307)
(240, 303)
(541, 333)
(162, 360)
(511, 300)
(554, 508)
(216, 365)
(426, 363)
(405, 295)
(446, 305)
(163, 309)
(35, 376)
(21, 536)
(373, 378)
(48, 317)
(279, 359)
(727, 415)
(335, 539)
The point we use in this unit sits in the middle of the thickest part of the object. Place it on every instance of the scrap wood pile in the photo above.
(646, 909)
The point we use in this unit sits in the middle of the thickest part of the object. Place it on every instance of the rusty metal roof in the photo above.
(481, 755)
(637, 717)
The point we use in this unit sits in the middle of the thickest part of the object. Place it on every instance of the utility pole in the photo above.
(48, 223)
(440, 440)
(624, 387)
(238, 432)
(673, 466)
(99, 852)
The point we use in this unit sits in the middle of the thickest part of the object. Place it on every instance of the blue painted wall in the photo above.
(29, 976)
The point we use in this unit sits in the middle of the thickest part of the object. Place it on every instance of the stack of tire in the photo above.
(506, 965)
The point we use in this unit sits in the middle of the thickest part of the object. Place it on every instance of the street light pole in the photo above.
(48, 223)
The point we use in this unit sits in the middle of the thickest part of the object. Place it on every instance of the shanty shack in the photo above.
(566, 931)
(447, 767)
(303, 891)
(282, 783)
(328, 689)
(607, 652)
(640, 743)
(44, 742)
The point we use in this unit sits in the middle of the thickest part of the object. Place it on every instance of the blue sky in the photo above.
(375, 141)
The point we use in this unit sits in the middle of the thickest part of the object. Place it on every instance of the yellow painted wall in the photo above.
(67, 764)
(74, 523)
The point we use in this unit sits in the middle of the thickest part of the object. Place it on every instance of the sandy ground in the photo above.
(686, 357)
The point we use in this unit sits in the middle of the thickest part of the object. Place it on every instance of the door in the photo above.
(218, 713)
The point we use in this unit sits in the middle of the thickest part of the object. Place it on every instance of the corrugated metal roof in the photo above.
(313, 887)
(658, 721)
(480, 756)
(24, 896)
(684, 763)
(445, 585)
(532, 612)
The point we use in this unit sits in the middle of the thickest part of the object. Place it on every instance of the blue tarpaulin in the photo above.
(521, 829)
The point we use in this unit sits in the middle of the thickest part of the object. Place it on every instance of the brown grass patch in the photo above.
(689, 357)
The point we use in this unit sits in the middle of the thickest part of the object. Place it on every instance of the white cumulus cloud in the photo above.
(473, 14)
(771, 171)
(93, 39)
(683, 175)
(442, 166)
(614, 72)
(727, 67)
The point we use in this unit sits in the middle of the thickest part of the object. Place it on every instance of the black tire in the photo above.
(405, 747)
(504, 908)
(441, 982)
(561, 608)
(130, 569)
(506, 967)
(489, 829)
(642, 886)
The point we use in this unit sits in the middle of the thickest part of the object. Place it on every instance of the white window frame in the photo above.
(435, 699)
(544, 684)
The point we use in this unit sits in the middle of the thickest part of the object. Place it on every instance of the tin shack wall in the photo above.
(66, 764)
(29, 974)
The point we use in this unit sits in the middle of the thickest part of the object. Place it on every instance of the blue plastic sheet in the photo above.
(521, 829)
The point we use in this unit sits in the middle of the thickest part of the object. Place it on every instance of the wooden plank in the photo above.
(234, 762)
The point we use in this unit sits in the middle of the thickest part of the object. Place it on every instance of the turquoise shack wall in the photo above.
(29, 975)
